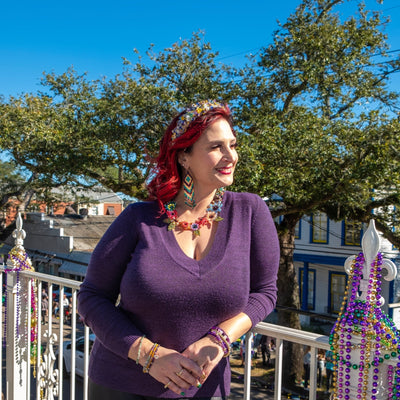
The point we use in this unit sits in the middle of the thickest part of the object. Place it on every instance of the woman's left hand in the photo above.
(206, 353)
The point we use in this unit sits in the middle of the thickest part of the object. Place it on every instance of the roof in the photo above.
(5, 248)
(86, 231)
(68, 267)
(100, 194)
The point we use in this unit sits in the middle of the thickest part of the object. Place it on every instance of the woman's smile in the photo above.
(225, 170)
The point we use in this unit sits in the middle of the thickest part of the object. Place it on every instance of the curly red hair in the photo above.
(168, 173)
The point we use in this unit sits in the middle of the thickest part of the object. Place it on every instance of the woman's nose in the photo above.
(230, 154)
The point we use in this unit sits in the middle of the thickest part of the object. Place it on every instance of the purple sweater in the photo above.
(171, 298)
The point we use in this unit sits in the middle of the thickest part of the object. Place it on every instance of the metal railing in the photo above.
(49, 381)
(282, 334)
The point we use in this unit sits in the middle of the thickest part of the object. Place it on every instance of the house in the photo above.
(61, 245)
(321, 249)
(60, 238)
(96, 201)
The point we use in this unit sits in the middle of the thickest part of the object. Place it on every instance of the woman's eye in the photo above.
(219, 146)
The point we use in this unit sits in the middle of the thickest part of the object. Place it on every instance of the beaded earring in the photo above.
(188, 190)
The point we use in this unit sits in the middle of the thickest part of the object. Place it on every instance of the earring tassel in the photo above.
(188, 191)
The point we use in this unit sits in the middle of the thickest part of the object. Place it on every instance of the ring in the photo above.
(180, 372)
(167, 384)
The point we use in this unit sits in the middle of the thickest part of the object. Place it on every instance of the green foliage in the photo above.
(320, 129)
(88, 132)
(316, 120)
(11, 181)
(321, 123)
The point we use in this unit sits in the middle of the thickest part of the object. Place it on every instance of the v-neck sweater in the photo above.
(171, 298)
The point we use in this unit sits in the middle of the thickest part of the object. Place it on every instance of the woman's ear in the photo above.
(182, 159)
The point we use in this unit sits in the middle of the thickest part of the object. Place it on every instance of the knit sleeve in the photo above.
(264, 264)
(98, 294)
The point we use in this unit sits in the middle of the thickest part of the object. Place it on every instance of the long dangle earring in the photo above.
(188, 190)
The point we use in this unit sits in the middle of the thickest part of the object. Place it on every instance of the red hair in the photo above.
(168, 173)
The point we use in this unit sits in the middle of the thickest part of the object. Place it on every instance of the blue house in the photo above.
(321, 248)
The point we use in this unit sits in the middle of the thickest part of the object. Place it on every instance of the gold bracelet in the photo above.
(140, 347)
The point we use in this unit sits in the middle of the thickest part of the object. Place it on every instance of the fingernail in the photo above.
(182, 393)
(199, 385)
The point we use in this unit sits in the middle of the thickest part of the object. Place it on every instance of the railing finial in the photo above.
(370, 248)
(19, 234)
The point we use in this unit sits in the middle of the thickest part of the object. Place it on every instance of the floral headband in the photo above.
(191, 113)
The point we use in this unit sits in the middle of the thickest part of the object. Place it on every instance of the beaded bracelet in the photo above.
(219, 331)
(150, 358)
(221, 338)
(140, 347)
(220, 343)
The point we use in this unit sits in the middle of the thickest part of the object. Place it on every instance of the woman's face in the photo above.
(213, 157)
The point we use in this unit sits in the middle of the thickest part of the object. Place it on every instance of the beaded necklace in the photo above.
(365, 341)
(212, 214)
(19, 261)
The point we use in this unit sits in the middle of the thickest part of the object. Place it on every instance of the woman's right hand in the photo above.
(175, 371)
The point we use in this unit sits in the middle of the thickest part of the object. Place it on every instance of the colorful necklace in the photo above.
(212, 214)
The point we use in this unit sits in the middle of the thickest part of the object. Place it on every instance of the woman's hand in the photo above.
(206, 353)
(175, 371)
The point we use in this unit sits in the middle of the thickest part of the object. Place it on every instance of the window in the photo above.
(337, 290)
(310, 288)
(352, 233)
(110, 210)
(319, 231)
(297, 230)
(94, 210)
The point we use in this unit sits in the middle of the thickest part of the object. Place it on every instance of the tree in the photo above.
(13, 185)
(84, 132)
(11, 182)
(321, 127)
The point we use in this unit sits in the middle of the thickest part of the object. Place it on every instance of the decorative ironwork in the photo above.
(48, 376)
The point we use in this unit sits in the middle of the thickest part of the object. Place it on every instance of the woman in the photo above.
(194, 270)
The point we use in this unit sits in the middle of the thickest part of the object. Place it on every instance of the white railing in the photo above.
(282, 334)
(51, 336)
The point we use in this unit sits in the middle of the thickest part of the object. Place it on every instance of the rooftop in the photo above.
(85, 231)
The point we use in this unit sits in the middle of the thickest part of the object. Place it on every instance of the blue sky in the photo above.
(93, 36)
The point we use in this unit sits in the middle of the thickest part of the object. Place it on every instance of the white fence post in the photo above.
(18, 326)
